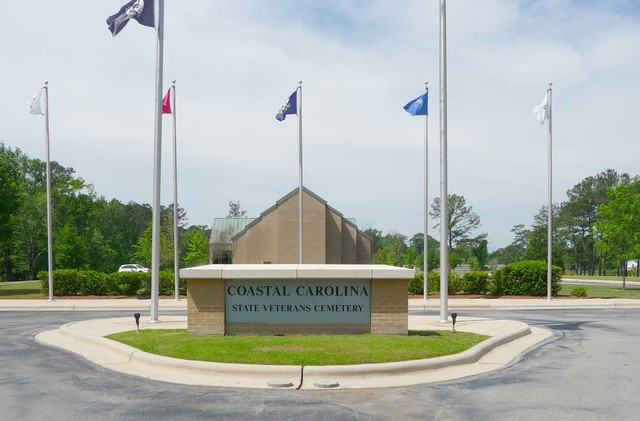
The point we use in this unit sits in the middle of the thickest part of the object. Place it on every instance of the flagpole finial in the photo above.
(173, 82)
(46, 82)
(550, 83)
(300, 83)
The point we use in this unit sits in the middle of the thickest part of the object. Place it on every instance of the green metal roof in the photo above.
(223, 229)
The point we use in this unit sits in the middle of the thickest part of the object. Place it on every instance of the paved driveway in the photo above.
(589, 371)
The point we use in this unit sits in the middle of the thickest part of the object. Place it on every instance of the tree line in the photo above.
(464, 247)
(595, 231)
(89, 231)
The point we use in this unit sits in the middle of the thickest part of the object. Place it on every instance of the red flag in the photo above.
(166, 103)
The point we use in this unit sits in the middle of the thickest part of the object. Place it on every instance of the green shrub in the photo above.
(65, 282)
(579, 291)
(89, 282)
(416, 285)
(92, 283)
(433, 283)
(129, 283)
(475, 282)
(43, 276)
(525, 278)
(167, 284)
(455, 284)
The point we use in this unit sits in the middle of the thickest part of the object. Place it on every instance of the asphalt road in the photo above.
(588, 371)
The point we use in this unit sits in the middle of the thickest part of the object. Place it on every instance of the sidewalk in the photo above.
(106, 304)
(170, 304)
(522, 303)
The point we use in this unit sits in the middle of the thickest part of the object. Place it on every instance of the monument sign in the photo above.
(296, 299)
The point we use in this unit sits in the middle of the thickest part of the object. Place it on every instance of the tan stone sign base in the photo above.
(207, 296)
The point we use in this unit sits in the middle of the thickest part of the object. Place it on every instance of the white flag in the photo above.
(34, 105)
(541, 111)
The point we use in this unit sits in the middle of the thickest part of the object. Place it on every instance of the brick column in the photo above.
(389, 307)
(205, 306)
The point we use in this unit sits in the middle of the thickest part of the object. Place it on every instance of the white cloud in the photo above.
(236, 63)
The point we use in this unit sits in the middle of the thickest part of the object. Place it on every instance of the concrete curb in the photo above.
(87, 339)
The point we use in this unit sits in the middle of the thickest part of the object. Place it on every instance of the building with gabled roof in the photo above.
(329, 237)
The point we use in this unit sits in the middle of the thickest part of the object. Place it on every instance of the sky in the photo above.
(236, 63)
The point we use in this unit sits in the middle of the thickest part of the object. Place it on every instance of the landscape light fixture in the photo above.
(453, 319)
(137, 317)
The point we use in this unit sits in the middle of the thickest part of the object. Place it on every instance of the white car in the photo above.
(133, 267)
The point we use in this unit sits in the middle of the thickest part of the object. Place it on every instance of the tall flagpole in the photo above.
(48, 177)
(425, 266)
(550, 202)
(300, 187)
(176, 233)
(444, 225)
(157, 155)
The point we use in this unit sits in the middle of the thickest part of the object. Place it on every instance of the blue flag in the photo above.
(291, 107)
(418, 106)
(140, 10)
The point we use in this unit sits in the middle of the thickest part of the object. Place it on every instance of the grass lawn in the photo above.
(29, 289)
(604, 291)
(300, 349)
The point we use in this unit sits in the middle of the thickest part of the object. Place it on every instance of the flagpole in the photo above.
(176, 233)
(425, 267)
(157, 155)
(550, 202)
(300, 187)
(48, 179)
(444, 225)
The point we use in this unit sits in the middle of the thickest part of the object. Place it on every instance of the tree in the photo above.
(9, 189)
(10, 200)
(235, 211)
(536, 238)
(481, 254)
(619, 224)
(197, 243)
(392, 250)
(578, 216)
(433, 249)
(376, 236)
(143, 248)
(461, 219)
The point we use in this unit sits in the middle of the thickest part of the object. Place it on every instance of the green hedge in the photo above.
(88, 282)
(475, 282)
(525, 278)
(167, 284)
(416, 285)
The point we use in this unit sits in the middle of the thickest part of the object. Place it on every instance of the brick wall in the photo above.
(205, 306)
(389, 307)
